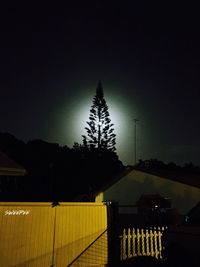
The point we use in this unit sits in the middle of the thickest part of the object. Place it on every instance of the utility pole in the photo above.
(135, 139)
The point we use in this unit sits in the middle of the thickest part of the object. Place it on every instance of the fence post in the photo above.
(113, 232)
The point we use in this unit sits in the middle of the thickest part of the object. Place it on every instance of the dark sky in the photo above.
(148, 59)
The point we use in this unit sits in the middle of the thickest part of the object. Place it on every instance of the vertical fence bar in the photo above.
(160, 243)
(151, 243)
(138, 243)
(156, 243)
(129, 243)
(147, 242)
(143, 242)
(124, 255)
(134, 236)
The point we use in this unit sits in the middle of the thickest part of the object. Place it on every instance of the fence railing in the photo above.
(141, 242)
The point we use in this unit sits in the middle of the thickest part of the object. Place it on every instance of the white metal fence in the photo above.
(141, 242)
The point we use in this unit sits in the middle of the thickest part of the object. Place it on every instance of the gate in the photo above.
(131, 238)
(136, 242)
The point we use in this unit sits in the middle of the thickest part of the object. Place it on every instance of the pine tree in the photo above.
(100, 129)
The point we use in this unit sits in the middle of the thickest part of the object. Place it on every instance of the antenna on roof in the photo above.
(135, 140)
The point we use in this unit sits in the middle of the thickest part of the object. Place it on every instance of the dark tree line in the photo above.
(54, 172)
(158, 164)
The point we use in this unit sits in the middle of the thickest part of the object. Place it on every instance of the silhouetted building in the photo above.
(9, 172)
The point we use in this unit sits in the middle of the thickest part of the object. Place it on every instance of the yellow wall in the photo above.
(27, 238)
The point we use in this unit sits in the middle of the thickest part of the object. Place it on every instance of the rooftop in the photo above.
(9, 167)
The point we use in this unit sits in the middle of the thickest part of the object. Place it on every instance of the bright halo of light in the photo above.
(121, 115)
(80, 116)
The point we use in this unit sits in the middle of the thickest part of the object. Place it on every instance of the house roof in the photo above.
(115, 179)
(178, 175)
(9, 167)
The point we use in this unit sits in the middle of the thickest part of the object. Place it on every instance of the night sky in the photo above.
(148, 60)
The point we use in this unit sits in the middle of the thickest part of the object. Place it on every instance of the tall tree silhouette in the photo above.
(100, 129)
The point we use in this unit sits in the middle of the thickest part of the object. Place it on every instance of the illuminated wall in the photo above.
(129, 189)
(38, 235)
